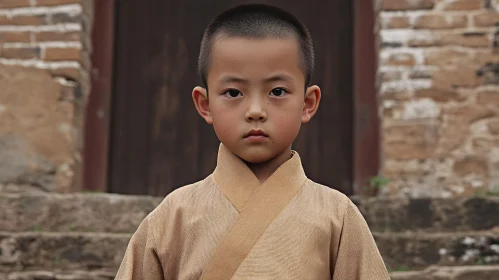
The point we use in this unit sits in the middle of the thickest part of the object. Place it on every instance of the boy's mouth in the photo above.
(256, 133)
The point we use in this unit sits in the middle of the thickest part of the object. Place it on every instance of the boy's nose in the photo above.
(256, 112)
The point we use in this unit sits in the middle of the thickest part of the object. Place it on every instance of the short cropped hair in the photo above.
(256, 21)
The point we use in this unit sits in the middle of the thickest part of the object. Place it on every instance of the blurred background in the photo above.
(97, 125)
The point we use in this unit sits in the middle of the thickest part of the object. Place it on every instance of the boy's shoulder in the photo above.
(187, 196)
(326, 191)
(330, 197)
(190, 191)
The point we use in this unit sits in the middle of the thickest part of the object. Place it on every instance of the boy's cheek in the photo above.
(287, 126)
(224, 126)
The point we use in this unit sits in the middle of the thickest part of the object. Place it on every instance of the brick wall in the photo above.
(44, 81)
(439, 73)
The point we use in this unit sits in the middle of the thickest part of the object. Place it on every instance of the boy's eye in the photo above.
(278, 92)
(232, 93)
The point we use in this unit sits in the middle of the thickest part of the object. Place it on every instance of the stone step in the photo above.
(81, 212)
(433, 273)
(450, 273)
(435, 215)
(58, 275)
(418, 250)
(123, 213)
(97, 251)
(61, 251)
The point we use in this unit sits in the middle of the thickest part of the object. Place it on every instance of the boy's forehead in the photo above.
(255, 57)
(264, 45)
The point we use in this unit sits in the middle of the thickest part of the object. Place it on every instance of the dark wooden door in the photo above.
(158, 141)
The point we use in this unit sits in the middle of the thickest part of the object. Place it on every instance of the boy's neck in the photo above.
(264, 170)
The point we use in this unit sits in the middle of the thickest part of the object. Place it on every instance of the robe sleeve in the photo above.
(358, 257)
(141, 261)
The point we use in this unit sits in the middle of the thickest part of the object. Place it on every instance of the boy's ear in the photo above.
(311, 103)
(200, 98)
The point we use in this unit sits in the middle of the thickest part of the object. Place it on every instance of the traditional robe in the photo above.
(229, 226)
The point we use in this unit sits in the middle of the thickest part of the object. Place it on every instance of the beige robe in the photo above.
(320, 234)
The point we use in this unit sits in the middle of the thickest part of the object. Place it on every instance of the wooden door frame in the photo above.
(97, 133)
(366, 146)
(366, 122)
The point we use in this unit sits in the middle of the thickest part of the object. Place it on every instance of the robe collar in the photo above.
(238, 183)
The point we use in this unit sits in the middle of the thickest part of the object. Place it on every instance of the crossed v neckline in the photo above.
(239, 184)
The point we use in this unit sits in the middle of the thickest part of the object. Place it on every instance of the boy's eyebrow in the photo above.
(278, 78)
(275, 78)
(232, 79)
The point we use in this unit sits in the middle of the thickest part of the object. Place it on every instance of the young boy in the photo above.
(257, 216)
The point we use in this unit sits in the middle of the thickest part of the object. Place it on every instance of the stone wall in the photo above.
(44, 65)
(439, 90)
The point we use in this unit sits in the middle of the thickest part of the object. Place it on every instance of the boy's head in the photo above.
(256, 62)
(256, 21)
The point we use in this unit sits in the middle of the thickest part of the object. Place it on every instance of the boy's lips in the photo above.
(256, 133)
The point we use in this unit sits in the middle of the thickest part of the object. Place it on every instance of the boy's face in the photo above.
(256, 99)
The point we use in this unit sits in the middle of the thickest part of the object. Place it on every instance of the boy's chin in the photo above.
(255, 159)
(256, 155)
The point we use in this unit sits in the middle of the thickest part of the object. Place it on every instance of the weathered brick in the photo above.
(486, 19)
(494, 166)
(394, 5)
(57, 36)
(410, 141)
(493, 127)
(18, 36)
(488, 73)
(468, 39)
(4, 19)
(21, 53)
(56, 2)
(467, 114)
(463, 5)
(393, 22)
(393, 111)
(395, 168)
(443, 38)
(421, 73)
(390, 44)
(401, 95)
(452, 134)
(439, 95)
(460, 76)
(445, 57)
(67, 72)
(488, 97)
(483, 146)
(8, 4)
(24, 20)
(470, 165)
(387, 76)
(428, 40)
(58, 54)
(65, 18)
(400, 59)
(431, 21)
